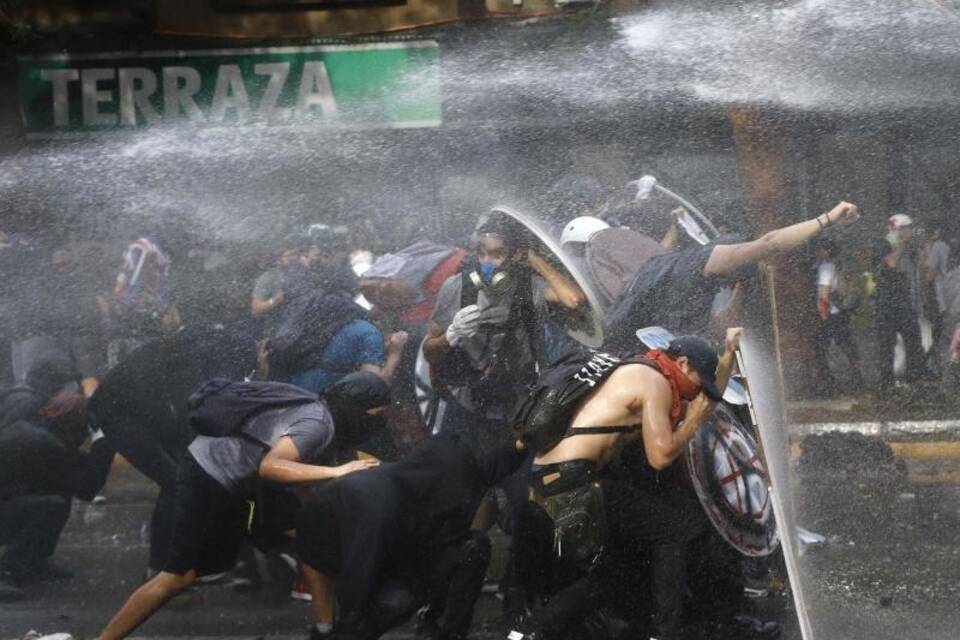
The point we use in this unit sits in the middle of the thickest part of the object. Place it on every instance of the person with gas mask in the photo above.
(486, 342)
(292, 445)
(485, 339)
(384, 543)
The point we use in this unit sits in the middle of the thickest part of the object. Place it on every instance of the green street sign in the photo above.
(387, 84)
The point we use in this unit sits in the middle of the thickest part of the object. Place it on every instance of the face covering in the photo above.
(487, 270)
(683, 387)
(350, 398)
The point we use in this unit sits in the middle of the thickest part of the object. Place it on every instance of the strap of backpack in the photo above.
(600, 430)
(582, 431)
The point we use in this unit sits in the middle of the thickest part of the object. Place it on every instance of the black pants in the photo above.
(448, 581)
(836, 329)
(453, 580)
(484, 434)
(667, 525)
(30, 527)
(891, 321)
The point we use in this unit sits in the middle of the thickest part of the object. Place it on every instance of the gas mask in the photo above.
(490, 278)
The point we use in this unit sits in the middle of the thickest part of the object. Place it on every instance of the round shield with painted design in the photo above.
(730, 479)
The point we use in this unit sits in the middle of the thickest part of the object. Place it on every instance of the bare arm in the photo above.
(395, 344)
(672, 238)
(729, 258)
(560, 289)
(436, 345)
(729, 357)
(661, 443)
(263, 360)
(282, 465)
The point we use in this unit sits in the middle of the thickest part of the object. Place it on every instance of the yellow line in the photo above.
(936, 478)
(926, 450)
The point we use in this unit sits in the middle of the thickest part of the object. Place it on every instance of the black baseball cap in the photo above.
(703, 358)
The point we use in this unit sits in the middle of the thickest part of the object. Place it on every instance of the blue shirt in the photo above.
(356, 343)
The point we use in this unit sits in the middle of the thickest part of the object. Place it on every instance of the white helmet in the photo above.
(580, 229)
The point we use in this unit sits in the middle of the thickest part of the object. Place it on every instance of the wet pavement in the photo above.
(890, 567)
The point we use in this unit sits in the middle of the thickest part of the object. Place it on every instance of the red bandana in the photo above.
(683, 387)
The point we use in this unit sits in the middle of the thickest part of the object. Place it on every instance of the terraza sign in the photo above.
(370, 85)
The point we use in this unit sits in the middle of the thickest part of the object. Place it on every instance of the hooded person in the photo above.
(321, 336)
(386, 542)
(42, 469)
(357, 400)
(291, 445)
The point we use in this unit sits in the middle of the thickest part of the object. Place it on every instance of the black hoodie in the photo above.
(396, 516)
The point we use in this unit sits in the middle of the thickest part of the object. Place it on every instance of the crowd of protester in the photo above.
(890, 307)
(281, 412)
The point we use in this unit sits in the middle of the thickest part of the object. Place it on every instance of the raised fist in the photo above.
(845, 213)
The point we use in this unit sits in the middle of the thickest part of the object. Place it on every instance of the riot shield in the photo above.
(727, 468)
(585, 325)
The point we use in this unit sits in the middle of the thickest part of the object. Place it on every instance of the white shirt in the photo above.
(827, 277)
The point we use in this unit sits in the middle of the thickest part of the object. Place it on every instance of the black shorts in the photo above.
(209, 523)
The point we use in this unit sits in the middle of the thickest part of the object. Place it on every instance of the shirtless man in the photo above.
(569, 513)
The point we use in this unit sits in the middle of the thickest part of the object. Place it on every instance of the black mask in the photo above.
(349, 399)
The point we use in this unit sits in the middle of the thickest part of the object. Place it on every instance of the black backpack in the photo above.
(219, 406)
(542, 418)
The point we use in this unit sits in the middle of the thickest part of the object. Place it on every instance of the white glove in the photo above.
(464, 325)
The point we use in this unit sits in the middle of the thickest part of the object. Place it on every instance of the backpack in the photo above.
(542, 418)
(219, 407)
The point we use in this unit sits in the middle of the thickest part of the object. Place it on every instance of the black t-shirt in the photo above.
(893, 290)
(670, 291)
(155, 380)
